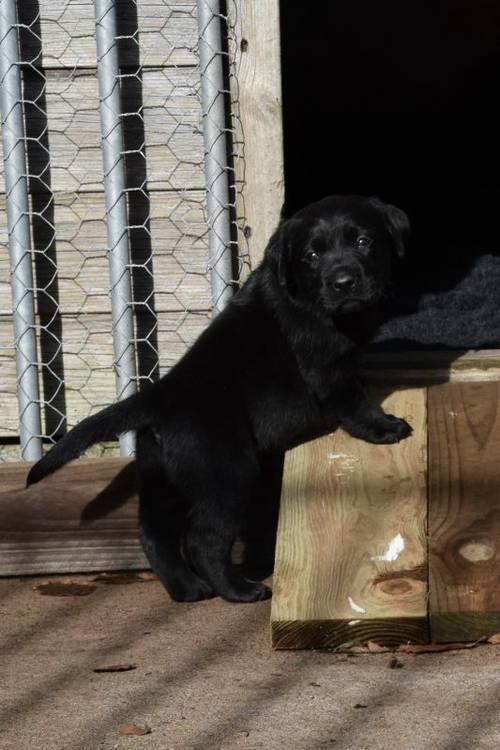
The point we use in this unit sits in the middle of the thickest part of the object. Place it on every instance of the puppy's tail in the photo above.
(130, 414)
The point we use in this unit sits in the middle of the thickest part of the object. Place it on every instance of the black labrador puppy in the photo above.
(275, 368)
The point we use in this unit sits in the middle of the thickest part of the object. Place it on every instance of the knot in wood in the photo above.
(477, 550)
(396, 586)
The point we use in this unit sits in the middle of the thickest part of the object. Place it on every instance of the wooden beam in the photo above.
(82, 518)
(427, 367)
(464, 510)
(257, 120)
(351, 549)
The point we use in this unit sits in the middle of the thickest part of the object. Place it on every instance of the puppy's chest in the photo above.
(324, 363)
(294, 397)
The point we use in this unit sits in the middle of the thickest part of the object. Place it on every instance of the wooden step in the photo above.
(351, 552)
(464, 510)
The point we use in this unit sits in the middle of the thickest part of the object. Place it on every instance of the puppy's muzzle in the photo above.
(345, 282)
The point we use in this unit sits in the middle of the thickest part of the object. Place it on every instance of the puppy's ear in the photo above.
(397, 223)
(278, 252)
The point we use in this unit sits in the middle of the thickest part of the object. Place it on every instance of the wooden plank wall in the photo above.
(165, 170)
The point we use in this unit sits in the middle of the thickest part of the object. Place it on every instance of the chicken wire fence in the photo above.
(118, 202)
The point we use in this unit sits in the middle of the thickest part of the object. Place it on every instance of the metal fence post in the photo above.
(108, 72)
(18, 221)
(216, 155)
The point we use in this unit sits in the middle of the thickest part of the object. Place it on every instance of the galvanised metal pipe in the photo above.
(215, 145)
(18, 222)
(116, 205)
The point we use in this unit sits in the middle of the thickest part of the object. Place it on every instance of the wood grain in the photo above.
(167, 127)
(163, 31)
(257, 121)
(336, 634)
(464, 510)
(427, 367)
(351, 550)
(89, 378)
(170, 245)
(82, 518)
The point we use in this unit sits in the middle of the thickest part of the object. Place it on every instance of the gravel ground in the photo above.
(205, 677)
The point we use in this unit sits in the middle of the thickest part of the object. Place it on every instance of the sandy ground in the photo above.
(206, 678)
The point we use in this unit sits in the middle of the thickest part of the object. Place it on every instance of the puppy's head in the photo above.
(336, 254)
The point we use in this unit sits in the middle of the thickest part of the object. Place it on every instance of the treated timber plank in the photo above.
(257, 120)
(464, 510)
(427, 367)
(82, 518)
(351, 549)
(155, 32)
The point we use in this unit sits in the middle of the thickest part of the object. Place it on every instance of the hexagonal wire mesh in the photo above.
(114, 258)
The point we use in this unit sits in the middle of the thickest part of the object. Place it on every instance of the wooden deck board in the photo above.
(82, 518)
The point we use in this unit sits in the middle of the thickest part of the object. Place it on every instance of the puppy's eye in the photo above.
(363, 241)
(311, 255)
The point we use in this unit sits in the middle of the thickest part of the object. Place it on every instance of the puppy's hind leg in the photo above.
(162, 523)
(215, 520)
(261, 519)
(209, 544)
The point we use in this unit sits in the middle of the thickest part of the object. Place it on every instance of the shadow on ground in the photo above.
(206, 678)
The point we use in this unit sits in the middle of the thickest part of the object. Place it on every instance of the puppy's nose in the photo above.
(344, 281)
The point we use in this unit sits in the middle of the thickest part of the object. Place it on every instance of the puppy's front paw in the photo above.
(390, 429)
(247, 591)
(191, 591)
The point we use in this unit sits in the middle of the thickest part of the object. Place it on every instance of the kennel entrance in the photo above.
(402, 543)
(396, 101)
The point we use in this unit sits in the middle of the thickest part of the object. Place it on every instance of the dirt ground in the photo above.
(205, 677)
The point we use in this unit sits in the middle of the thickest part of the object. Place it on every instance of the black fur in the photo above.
(275, 368)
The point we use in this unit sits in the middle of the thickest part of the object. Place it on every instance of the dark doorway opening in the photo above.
(400, 100)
